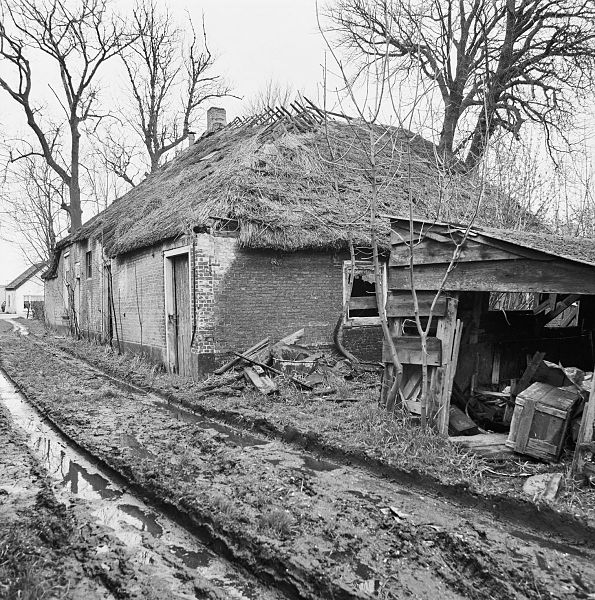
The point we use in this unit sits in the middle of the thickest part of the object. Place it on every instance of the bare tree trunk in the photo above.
(75, 210)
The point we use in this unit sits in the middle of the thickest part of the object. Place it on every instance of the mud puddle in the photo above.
(152, 537)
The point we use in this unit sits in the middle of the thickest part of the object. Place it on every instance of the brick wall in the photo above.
(264, 293)
(238, 296)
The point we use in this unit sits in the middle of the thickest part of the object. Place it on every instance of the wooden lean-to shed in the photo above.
(479, 339)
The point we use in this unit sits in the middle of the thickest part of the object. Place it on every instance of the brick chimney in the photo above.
(191, 138)
(216, 119)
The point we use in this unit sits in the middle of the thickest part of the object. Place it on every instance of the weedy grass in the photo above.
(23, 566)
(276, 521)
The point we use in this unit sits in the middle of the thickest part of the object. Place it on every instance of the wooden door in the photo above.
(182, 322)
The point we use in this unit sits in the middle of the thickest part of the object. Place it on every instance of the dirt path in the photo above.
(318, 530)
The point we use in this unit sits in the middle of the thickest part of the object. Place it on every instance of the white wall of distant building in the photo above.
(30, 291)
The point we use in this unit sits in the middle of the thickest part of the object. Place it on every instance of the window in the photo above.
(363, 307)
(88, 264)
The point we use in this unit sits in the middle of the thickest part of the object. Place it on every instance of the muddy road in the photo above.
(202, 508)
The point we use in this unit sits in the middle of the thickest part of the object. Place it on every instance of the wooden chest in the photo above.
(540, 420)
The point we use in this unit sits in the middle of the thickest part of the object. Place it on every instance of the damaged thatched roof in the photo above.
(288, 188)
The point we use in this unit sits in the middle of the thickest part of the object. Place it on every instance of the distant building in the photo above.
(25, 289)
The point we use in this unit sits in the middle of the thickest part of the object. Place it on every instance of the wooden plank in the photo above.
(520, 275)
(561, 307)
(459, 422)
(447, 332)
(528, 374)
(550, 396)
(264, 386)
(276, 371)
(362, 302)
(496, 367)
(400, 304)
(409, 350)
(400, 234)
(236, 360)
(454, 360)
(412, 384)
(432, 252)
(585, 434)
(570, 317)
(524, 428)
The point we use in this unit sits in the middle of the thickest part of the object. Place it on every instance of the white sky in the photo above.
(255, 40)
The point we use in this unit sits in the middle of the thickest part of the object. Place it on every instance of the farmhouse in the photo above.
(247, 234)
(24, 290)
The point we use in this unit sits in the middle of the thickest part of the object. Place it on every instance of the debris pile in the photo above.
(267, 365)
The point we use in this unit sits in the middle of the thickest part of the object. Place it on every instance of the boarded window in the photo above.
(88, 265)
(363, 307)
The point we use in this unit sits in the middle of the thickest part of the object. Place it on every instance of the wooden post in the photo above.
(585, 434)
(446, 332)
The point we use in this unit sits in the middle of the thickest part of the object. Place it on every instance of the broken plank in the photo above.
(263, 384)
(459, 423)
(222, 369)
(276, 371)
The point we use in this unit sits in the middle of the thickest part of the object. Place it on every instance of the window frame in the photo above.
(363, 265)
(89, 264)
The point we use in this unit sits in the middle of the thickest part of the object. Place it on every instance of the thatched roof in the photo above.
(287, 186)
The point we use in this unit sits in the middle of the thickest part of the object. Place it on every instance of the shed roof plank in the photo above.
(521, 275)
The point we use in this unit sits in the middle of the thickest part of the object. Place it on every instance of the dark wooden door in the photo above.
(183, 324)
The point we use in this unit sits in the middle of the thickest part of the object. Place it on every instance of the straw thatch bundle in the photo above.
(290, 190)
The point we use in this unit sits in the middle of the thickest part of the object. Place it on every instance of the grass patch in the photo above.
(277, 522)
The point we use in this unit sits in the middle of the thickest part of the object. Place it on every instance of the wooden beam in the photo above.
(401, 234)
(432, 252)
(520, 275)
(561, 307)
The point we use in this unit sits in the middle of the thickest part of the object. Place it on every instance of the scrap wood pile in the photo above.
(268, 365)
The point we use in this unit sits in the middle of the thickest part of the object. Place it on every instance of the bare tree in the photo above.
(78, 41)
(169, 80)
(32, 203)
(496, 63)
(389, 156)
(272, 94)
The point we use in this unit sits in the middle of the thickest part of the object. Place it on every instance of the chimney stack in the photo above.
(190, 138)
(216, 119)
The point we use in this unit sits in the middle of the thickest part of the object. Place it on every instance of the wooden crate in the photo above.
(540, 420)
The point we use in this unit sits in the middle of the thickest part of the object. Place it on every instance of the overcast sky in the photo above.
(255, 40)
